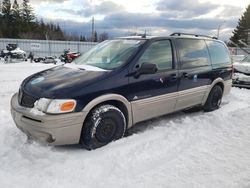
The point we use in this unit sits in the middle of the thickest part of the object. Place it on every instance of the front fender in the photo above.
(109, 97)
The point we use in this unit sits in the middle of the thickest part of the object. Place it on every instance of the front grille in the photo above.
(26, 100)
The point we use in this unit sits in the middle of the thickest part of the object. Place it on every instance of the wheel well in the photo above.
(221, 85)
(117, 104)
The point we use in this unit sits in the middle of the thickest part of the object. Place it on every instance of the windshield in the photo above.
(246, 59)
(109, 54)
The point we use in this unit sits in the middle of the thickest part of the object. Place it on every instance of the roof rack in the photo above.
(144, 35)
(190, 34)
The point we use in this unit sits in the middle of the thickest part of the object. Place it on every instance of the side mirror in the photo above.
(146, 68)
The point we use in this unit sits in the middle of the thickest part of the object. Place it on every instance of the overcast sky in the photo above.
(157, 17)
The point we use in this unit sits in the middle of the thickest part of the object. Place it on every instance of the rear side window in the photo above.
(160, 53)
(192, 53)
(218, 52)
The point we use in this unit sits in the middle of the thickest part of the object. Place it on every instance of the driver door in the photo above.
(152, 95)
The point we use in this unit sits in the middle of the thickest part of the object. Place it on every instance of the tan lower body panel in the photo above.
(227, 87)
(153, 107)
(190, 97)
(156, 106)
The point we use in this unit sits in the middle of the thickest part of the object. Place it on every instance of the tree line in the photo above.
(19, 21)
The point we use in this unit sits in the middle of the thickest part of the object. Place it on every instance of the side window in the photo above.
(193, 53)
(218, 52)
(160, 53)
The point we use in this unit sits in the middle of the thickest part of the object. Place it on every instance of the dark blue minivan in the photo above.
(120, 82)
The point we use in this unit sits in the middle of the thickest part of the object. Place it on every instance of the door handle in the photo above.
(173, 76)
(185, 74)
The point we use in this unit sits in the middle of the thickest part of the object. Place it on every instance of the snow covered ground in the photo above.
(180, 150)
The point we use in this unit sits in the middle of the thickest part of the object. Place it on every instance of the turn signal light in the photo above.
(67, 106)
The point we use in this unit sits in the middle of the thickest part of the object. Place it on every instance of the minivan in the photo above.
(119, 83)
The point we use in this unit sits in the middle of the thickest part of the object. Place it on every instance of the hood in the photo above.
(60, 81)
(242, 67)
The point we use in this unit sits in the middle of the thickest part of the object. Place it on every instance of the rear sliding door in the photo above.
(194, 71)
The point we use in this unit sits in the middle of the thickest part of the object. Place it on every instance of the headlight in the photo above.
(55, 106)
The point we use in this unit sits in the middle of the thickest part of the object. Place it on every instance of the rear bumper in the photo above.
(53, 129)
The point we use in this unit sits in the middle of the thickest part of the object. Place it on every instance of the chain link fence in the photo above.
(45, 48)
(239, 51)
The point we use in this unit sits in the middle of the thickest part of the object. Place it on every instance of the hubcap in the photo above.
(216, 100)
(105, 131)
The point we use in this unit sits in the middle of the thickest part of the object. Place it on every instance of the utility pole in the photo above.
(218, 30)
(93, 29)
(93, 22)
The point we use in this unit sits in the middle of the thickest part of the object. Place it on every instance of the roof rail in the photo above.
(190, 34)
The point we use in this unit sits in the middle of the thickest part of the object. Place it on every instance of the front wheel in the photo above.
(214, 99)
(103, 125)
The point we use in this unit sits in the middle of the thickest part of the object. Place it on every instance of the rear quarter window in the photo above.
(219, 53)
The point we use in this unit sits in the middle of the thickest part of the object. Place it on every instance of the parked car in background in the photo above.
(237, 58)
(243, 66)
(68, 56)
(120, 82)
(38, 59)
(13, 53)
(2, 54)
(50, 59)
(241, 76)
(72, 55)
(18, 54)
(241, 80)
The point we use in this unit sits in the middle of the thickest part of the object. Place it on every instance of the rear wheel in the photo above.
(103, 125)
(214, 99)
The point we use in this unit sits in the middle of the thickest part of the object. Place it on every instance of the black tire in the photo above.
(103, 125)
(214, 99)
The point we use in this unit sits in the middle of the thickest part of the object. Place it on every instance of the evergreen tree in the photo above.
(95, 38)
(16, 19)
(1, 10)
(15, 11)
(103, 36)
(6, 7)
(242, 30)
(27, 12)
(82, 38)
(6, 19)
(1, 20)
(21, 22)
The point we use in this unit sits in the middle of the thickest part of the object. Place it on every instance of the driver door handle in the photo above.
(185, 75)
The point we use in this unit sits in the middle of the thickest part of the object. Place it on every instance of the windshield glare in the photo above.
(109, 54)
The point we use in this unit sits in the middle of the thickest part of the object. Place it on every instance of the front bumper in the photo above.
(241, 84)
(53, 129)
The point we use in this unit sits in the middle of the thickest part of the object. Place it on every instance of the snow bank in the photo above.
(179, 150)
